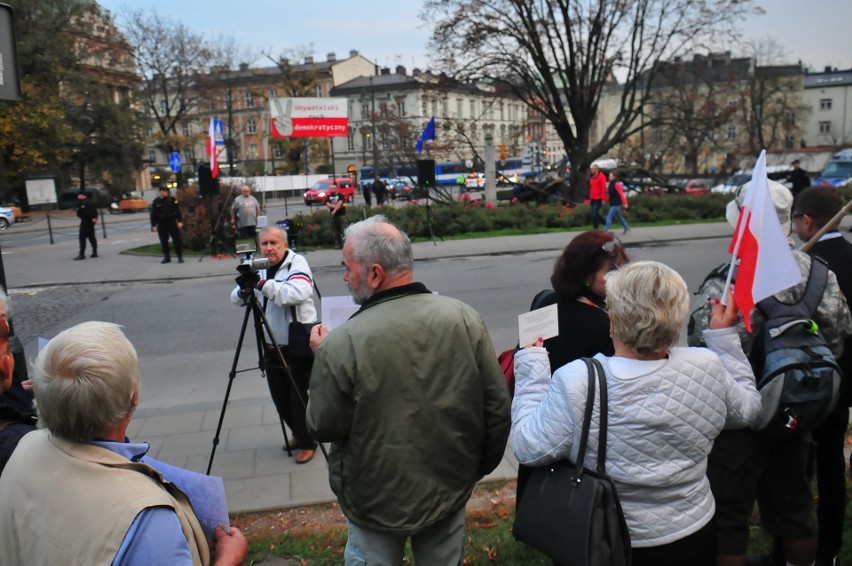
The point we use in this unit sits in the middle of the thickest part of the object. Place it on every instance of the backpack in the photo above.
(799, 378)
(506, 358)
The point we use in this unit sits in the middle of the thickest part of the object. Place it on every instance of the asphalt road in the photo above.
(186, 331)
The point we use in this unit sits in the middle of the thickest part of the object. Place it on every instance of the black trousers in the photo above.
(87, 232)
(290, 397)
(829, 438)
(164, 230)
(338, 224)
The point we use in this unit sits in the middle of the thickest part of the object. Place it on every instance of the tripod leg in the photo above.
(231, 376)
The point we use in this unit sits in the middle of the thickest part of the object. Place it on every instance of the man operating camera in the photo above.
(285, 292)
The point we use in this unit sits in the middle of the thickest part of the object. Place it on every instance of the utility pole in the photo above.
(373, 122)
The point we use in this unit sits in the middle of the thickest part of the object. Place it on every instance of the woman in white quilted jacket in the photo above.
(666, 405)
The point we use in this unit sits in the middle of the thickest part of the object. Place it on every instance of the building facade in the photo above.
(828, 94)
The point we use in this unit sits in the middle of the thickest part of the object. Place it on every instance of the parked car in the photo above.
(838, 171)
(398, 189)
(732, 183)
(7, 217)
(697, 187)
(474, 181)
(317, 193)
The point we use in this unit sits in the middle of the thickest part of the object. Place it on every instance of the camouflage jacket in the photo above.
(832, 315)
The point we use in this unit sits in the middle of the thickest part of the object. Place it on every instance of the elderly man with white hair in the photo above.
(75, 492)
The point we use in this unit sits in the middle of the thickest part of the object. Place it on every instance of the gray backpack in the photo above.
(797, 375)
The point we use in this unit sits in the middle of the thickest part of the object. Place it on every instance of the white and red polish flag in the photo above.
(214, 137)
(766, 262)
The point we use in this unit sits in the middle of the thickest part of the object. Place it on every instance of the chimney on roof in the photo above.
(828, 68)
(353, 53)
(331, 57)
(309, 59)
(400, 69)
(385, 70)
(244, 66)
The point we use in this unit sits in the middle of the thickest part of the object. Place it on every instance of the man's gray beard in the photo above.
(359, 296)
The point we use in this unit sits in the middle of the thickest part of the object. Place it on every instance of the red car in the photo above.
(697, 187)
(317, 193)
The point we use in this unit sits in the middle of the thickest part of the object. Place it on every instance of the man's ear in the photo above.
(7, 369)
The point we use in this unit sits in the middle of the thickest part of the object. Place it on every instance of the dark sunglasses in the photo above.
(611, 248)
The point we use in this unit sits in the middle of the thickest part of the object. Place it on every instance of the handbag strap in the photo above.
(603, 416)
(587, 421)
(595, 370)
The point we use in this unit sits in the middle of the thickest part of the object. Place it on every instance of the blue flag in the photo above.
(428, 134)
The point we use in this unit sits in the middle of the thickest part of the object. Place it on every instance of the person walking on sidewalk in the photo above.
(617, 199)
(87, 212)
(167, 221)
(597, 194)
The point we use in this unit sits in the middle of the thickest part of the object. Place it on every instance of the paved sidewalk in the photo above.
(258, 473)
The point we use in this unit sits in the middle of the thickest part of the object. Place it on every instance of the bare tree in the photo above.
(169, 58)
(559, 56)
(771, 105)
(689, 104)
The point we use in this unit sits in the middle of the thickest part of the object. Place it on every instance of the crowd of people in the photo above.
(411, 431)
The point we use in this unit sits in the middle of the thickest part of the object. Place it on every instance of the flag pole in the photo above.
(830, 225)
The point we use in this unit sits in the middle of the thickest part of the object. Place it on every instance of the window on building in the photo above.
(825, 127)
(228, 99)
(434, 108)
(152, 156)
(350, 141)
(365, 112)
(277, 152)
(659, 136)
(188, 154)
(249, 99)
(273, 93)
(211, 105)
(789, 142)
(473, 108)
(790, 119)
(184, 129)
(252, 151)
(251, 126)
(383, 109)
(732, 132)
(459, 107)
(400, 107)
(164, 108)
(825, 104)
(502, 111)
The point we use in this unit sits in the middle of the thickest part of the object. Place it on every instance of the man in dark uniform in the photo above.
(379, 190)
(798, 178)
(87, 212)
(166, 220)
(813, 209)
(336, 203)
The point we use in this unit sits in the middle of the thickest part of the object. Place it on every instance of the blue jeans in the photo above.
(615, 210)
(442, 544)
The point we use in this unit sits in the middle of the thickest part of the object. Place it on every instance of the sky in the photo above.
(390, 33)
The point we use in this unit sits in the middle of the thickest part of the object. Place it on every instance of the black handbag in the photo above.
(572, 513)
(299, 333)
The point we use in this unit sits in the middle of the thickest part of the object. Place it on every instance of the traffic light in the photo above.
(502, 153)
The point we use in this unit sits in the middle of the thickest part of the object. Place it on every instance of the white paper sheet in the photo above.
(543, 322)
(337, 309)
(261, 221)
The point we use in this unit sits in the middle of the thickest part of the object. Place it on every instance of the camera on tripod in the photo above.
(249, 265)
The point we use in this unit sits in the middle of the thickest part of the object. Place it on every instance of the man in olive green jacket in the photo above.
(411, 396)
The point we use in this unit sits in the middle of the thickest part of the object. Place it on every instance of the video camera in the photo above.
(249, 265)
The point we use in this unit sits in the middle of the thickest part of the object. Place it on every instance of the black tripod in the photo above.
(428, 226)
(247, 281)
(215, 242)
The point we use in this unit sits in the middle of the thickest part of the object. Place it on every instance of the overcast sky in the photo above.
(389, 32)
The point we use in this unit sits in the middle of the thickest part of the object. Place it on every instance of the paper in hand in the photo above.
(543, 322)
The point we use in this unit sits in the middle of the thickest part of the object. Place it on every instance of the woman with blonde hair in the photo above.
(666, 405)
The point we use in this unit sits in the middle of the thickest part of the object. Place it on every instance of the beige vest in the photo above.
(72, 503)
